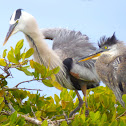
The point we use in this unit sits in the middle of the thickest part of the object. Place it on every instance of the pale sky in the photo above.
(94, 18)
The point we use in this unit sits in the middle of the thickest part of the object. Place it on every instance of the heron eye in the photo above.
(105, 47)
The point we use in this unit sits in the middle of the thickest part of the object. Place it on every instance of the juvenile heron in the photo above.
(111, 65)
(68, 47)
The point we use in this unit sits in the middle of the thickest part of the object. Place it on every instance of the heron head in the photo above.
(19, 21)
(107, 46)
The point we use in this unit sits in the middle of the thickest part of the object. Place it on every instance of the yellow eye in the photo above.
(105, 47)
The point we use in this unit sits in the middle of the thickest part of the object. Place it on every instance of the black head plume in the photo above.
(17, 15)
(107, 41)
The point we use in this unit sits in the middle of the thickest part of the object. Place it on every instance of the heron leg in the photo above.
(79, 105)
(84, 88)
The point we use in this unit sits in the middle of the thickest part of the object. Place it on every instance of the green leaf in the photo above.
(32, 63)
(3, 83)
(56, 70)
(122, 123)
(57, 99)
(18, 47)
(38, 114)
(40, 104)
(72, 93)
(2, 62)
(4, 53)
(36, 75)
(13, 117)
(2, 105)
(124, 98)
(1, 99)
(47, 83)
(23, 56)
(11, 57)
(20, 121)
(104, 117)
(83, 117)
(17, 54)
(29, 53)
(3, 118)
(19, 94)
(114, 123)
(64, 123)
(24, 69)
(57, 85)
(53, 77)
(44, 123)
(94, 116)
(39, 68)
(19, 44)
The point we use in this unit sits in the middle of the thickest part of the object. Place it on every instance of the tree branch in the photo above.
(121, 115)
(29, 119)
(22, 89)
(9, 105)
(33, 120)
(37, 122)
(27, 82)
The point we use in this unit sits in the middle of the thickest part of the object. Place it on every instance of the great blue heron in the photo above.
(68, 47)
(111, 65)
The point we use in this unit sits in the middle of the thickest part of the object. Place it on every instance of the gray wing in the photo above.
(119, 72)
(72, 44)
(117, 77)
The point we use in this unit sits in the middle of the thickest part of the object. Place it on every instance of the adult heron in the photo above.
(111, 65)
(68, 47)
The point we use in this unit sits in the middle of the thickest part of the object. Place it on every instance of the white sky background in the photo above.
(94, 18)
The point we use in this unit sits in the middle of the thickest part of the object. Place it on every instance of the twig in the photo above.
(29, 119)
(24, 89)
(66, 118)
(120, 115)
(21, 88)
(33, 112)
(27, 81)
(9, 105)
(19, 65)
(56, 116)
(30, 89)
(6, 70)
(56, 122)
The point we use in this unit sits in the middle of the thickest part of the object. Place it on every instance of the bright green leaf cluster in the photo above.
(103, 108)
(43, 107)
(16, 59)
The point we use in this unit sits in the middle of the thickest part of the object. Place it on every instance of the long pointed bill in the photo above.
(10, 32)
(92, 56)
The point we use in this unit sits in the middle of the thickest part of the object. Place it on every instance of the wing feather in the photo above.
(72, 44)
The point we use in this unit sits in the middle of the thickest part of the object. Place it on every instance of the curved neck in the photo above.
(34, 45)
(42, 53)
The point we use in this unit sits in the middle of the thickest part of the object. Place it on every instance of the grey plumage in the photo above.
(67, 40)
(111, 65)
(72, 44)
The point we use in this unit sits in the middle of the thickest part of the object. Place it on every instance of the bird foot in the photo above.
(77, 108)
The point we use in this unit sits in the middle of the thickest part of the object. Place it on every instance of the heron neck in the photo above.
(42, 53)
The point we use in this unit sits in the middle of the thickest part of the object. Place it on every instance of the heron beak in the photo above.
(92, 56)
(10, 32)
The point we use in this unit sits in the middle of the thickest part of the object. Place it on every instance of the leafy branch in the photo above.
(20, 107)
